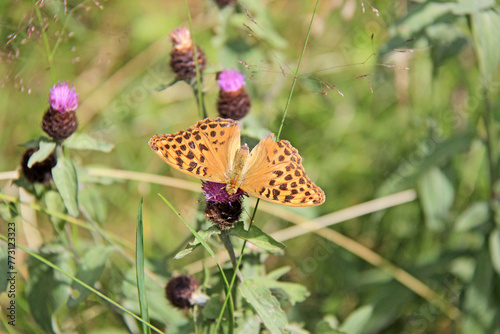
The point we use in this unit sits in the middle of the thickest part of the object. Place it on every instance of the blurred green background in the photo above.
(401, 96)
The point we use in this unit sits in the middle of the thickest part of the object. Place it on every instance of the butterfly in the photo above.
(211, 150)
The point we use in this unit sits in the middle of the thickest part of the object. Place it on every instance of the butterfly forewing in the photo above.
(205, 150)
(274, 172)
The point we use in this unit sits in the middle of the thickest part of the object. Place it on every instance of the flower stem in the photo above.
(45, 42)
(296, 74)
(196, 86)
(230, 249)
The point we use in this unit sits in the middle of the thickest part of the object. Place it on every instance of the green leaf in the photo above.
(82, 141)
(165, 86)
(266, 306)
(65, 178)
(357, 319)
(494, 243)
(475, 215)
(92, 204)
(139, 270)
(447, 41)
(295, 292)
(8, 210)
(485, 28)
(213, 307)
(277, 273)
(46, 147)
(436, 195)
(328, 325)
(47, 289)
(89, 271)
(257, 237)
(205, 234)
(34, 143)
(420, 17)
(410, 170)
(472, 6)
(54, 202)
(249, 324)
(477, 300)
(387, 304)
(4, 276)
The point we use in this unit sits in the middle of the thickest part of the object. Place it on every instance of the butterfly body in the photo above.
(235, 177)
(210, 150)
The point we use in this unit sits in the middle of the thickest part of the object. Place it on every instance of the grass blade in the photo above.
(139, 270)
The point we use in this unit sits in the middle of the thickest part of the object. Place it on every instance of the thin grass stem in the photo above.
(196, 87)
(296, 75)
(45, 42)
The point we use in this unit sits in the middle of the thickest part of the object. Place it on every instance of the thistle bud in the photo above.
(234, 101)
(59, 121)
(40, 172)
(182, 54)
(222, 209)
(182, 292)
(224, 3)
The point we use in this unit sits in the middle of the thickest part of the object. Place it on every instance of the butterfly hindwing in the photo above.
(274, 172)
(205, 150)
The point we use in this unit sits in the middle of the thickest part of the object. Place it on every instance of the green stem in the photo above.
(491, 141)
(233, 279)
(297, 72)
(46, 43)
(229, 247)
(197, 87)
(224, 236)
(59, 39)
(200, 101)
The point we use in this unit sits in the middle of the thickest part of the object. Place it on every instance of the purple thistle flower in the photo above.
(62, 98)
(216, 192)
(231, 80)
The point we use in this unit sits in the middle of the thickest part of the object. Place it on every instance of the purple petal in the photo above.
(63, 98)
(231, 80)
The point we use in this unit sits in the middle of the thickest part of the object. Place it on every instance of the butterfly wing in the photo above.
(206, 150)
(274, 172)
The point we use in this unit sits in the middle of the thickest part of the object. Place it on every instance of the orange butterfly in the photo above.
(211, 150)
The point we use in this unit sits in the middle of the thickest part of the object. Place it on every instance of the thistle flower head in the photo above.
(182, 59)
(234, 102)
(216, 192)
(63, 98)
(181, 37)
(182, 292)
(231, 80)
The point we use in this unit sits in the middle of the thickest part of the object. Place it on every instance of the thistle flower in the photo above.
(233, 101)
(222, 209)
(216, 192)
(40, 172)
(182, 54)
(182, 292)
(59, 121)
(62, 98)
